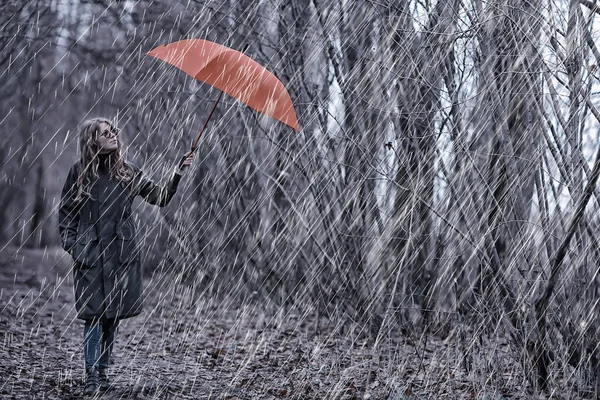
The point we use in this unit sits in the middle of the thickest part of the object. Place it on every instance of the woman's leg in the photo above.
(109, 333)
(92, 342)
(92, 347)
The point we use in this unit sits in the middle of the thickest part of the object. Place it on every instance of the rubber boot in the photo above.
(92, 382)
(103, 378)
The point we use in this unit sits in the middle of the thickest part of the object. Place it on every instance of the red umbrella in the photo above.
(232, 72)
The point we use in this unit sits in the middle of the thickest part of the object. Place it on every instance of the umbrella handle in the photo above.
(195, 144)
(180, 165)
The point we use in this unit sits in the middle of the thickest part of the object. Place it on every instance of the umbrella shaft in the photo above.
(195, 145)
(206, 123)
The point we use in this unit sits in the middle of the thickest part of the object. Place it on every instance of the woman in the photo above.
(97, 229)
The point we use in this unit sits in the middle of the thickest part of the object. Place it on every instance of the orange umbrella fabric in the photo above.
(232, 72)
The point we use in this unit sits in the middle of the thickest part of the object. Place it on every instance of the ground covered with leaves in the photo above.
(188, 345)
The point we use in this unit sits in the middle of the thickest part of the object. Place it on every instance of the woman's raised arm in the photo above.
(155, 194)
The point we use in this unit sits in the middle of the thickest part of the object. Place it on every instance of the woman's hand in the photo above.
(185, 162)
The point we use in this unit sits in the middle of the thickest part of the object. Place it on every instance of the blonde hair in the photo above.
(89, 149)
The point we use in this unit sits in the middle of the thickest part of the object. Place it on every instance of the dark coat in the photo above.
(100, 235)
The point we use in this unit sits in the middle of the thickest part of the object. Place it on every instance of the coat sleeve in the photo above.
(151, 192)
(68, 212)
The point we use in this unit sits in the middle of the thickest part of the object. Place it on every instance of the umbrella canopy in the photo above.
(232, 72)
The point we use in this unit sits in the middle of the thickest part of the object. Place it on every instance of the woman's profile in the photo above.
(97, 229)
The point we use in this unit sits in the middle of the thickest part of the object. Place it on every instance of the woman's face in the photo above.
(107, 138)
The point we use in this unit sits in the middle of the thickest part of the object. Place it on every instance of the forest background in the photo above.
(443, 187)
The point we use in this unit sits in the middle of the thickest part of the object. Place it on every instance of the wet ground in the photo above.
(192, 346)
(180, 347)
